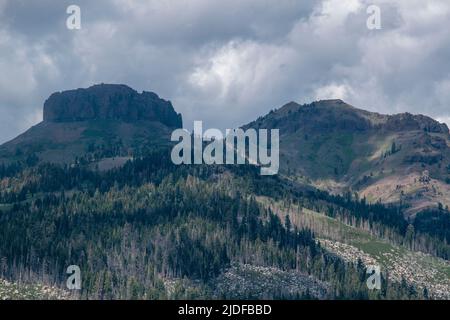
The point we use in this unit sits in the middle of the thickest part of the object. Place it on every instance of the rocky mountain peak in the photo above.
(334, 114)
(109, 101)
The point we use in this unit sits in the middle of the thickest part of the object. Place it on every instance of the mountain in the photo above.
(328, 144)
(109, 119)
(140, 227)
(388, 158)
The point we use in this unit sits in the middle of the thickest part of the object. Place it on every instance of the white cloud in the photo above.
(333, 91)
(333, 14)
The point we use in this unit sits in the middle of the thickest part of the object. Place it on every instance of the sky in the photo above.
(227, 62)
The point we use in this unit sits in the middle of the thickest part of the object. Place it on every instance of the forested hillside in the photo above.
(153, 230)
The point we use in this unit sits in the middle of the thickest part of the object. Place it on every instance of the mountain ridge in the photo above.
(406, 120)
(328, 144)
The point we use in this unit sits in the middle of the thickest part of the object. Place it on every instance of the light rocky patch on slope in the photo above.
(243, 281)
(419, 190)
(14, 291)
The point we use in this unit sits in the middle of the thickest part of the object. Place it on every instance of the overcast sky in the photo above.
(227, 62)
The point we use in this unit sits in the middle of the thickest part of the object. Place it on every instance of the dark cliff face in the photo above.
(110, 101)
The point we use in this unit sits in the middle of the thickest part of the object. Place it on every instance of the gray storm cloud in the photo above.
(227, 62)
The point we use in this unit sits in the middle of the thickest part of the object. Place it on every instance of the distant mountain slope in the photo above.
(97, 121)
(339, 148)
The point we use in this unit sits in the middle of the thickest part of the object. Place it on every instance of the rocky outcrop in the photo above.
(407, 121)
(110, 101)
